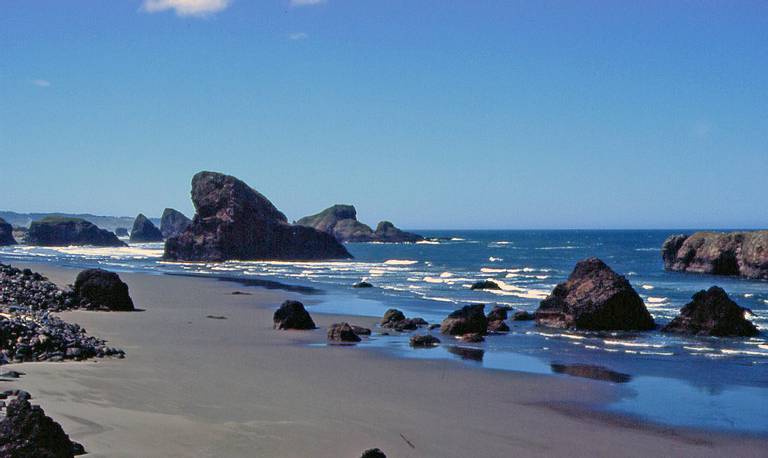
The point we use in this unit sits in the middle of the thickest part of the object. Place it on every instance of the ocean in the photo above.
(712, 383)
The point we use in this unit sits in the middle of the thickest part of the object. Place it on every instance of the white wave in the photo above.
(400, 262)
(648, 287)
(565, 247)
(493, 259)
(446, 275)
(428, 242)
(433, 280)
(439, 299)
(457, 239)
(744, 352)
(656, 300)
(657, 353)
(492, 270)
(748, 295)
(647, 249)
(632, 344)
(698, 348)
(512, 290)
(116, 252)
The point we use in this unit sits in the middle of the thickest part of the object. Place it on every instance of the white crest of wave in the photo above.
(400, 262)
(116, 252)
(428, 242)
(648, 287)
(494, 259)
(490, 270)
(632, 344)
(656, 300)
(513, 290)
(446, 275)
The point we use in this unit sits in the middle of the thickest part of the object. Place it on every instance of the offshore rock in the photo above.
(173, 223)
(6, 233)
(469, 319)
(712, 313)
(144, 231)
(718, 253)
(64, 231)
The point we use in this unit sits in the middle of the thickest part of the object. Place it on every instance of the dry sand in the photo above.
(195, 386)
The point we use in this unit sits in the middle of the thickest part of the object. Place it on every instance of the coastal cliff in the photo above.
(718, 253)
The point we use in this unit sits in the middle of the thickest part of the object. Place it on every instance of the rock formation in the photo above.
(424, 341)
(144, 231)
(6, 234)
(26, 431)
(234, 221)
(292, 315)
(103, 290)
(718, 253)
(466, 320)
(395, 319)
(342, 332)
(485, 284)
(341, 222)
(173, 223)
(594, 298)
(712, 313)
(60, 231)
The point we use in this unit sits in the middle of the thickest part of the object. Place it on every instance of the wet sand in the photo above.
(196, 386)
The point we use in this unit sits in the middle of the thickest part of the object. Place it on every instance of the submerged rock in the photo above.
(292, 315)
(27, 432)
(362, 284)
(424, 341)
(98, 288)
(712, 313)
(6, 233)
(485, 284)
(64, 231)
(594, 298)
(144, 231)
(342, 332)
(591, 372)
(718, 253)
(233, 221)
(173, 223)
(361, 331)
(468, 319)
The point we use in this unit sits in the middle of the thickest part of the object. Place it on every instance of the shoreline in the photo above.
(503, 408)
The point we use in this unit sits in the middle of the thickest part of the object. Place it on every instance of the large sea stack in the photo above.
(234, 221)
(594, 298)
(718, 253)
(64, 231)
(173, 223)
(144, 231)
(6, 233)
(341, 222)
(712, 313)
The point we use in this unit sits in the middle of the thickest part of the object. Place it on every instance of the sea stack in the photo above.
(594, 298)
(144, 231)
(341, 222)
(718, 253)
(101, 289)
(173, 223)
(64, 231)
(712, 313)
(234, 221)
(6, 233)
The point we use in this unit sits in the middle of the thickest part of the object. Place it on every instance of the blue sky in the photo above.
(434, 114)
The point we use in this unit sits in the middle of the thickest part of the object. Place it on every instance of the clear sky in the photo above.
(434, 114)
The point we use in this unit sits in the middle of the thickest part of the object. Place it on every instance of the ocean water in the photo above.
(685, 381)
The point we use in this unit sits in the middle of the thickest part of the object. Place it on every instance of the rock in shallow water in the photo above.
(373, 453)
(342, 333)
(104, 290)
(292, 315)
(466, 320)
(485, 284)
(712, 313)
(424, 341)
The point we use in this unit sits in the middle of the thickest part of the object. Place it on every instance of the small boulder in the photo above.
(498, 313)
(712, 313)
(144, 231)
(361, 331)
(342, 332)
(497, 326)
(485, 284)
(391, 317)
(373, 453)
(472, 337)
(292, 315)
(522, 315)
(468, 319)
(424, 341)
(362, 284)
(101, 289)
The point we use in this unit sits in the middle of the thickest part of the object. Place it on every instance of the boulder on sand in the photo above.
(718, 253)
(173, 223)
(25, 431)
(234, 221)
(292, 315)
(101, 289)
(466, 320)
(144, 231)
(64, 231)
(712, 313)
(594, 298)
(342, 332)
(6, 233)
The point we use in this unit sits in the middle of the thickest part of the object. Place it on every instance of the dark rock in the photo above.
(216, 317)
(424, 341)
(594, 298)
(718, 253)
(498, 313)
(27, 432)
(497, 326)
(592, 372)
(485, 284)
(342, 332)
(522, 315)
(361, 331)
(468, 319)
(387, 232)
(362, 284)
(234, 221)
(144, 231)
(391, 317)
(61, 231)
(373, 453)
(395, 319)
(433, 326)
(121, 232)
(173, 223)
(712, 313)
(6, 234)
(341, 222)
(240, 293)
(472, 337)
(292, 315)
(103, 289)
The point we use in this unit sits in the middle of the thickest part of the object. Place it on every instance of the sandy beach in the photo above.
(196, 386)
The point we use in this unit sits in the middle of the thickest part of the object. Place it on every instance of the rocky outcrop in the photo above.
(712, 313)
(102, 289)
(342, 333)
(6, 234)
(497, 313)
(718, 253)
(466, 320)
(424, 341)
(485, 284)
(173, 223)
(341, 222)
(594, 298)
(292, 315)
(234, 221)
(61, 231)
(395, 319)
(26, 431)
(144, 231)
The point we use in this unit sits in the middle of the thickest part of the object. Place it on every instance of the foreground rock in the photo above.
(424, 341)
(173, 223)
(234, 221)
(144, 231)
(292, 315)
(101, 289)
(26, 431)
(712, 313)
(342, 332)
(467, 320)
(594, 298)
(60, 231)
(6, 234)
(373, 453)
(718, 253)
(341, 222)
